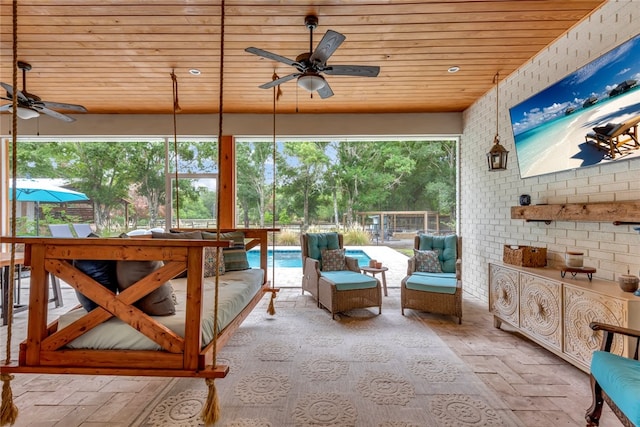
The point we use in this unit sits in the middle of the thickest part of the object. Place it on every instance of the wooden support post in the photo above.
(227, 184)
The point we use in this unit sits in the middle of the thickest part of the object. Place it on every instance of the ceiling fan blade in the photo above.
(42, 109)
(325, 91)
(5, 107)
(281, 80)
(270, 55)
(329, 43)
(63, 106)
(352, 70)
(9, 90)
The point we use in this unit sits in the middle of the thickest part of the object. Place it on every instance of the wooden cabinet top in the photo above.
(600, 286)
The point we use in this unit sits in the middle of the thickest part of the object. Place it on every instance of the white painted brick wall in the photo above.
(486, 197)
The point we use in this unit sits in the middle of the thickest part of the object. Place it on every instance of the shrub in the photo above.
(356, 237)
(288, 238)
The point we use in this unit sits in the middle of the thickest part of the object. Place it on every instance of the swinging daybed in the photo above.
(46, 347)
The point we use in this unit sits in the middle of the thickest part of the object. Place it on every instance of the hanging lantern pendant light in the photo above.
(497, 156)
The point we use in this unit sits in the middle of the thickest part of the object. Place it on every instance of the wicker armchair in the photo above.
(337, 290)
(435, 292)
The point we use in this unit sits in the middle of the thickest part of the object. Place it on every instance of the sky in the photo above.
(597, 78)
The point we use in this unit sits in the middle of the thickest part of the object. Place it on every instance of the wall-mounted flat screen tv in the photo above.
(588, 118)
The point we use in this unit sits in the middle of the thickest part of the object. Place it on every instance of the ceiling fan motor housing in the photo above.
(311, 22)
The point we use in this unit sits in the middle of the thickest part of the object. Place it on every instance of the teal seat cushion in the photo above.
(441, 283)
(446, 246)
(619, 377)
(350, 280)
(317, 242)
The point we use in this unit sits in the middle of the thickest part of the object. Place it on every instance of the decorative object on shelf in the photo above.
(525, 200)
(575, 270)
(497, 156)
(628, 282)
(574, 259)
(524, 256)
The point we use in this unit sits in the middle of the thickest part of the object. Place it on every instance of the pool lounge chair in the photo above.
(615, 137)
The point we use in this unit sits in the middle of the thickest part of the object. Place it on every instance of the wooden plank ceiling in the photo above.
(117, 56)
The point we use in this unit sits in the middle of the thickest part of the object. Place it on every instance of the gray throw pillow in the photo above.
(235, 257)
(159, 302)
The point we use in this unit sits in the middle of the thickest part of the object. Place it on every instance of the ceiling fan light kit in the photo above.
(310, 65)
(311, 82)
(24, 113)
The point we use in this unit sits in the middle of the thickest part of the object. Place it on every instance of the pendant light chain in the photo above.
(497, 81)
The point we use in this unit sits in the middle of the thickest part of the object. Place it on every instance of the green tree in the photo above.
(253, 190)
(44, 159)
(303, 174)
(368, 172)
(103, 172)
(148, 177)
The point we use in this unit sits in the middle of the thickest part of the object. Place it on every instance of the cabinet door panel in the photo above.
(540, 309)
(503, 294)
(580, 309)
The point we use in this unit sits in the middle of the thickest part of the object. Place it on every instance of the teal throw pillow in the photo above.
(448, 246)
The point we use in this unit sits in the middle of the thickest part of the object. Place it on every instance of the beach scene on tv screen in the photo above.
(554, 129)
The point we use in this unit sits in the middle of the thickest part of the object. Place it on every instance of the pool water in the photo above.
(292, 258)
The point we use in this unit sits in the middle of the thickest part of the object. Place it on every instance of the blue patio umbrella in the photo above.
(42, 191)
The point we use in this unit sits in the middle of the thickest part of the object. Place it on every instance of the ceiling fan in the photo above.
(311, 65)
(30, 105)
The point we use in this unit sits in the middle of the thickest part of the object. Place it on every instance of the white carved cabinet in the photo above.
(556, 312)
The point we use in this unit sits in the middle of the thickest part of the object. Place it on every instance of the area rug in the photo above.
(301, 368)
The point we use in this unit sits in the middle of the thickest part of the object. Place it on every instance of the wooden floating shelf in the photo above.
(627, 212)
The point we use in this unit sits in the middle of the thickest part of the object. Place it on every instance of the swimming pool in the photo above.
(292, 258)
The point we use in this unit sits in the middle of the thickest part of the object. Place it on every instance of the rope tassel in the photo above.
(8, 411)
(271, 310)
(211, 410)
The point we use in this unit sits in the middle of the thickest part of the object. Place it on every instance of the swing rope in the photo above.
(211, 408)
(271, 310)
(8, 410)
(176, 108)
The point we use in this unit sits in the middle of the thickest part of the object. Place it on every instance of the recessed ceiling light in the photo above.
(195, 72)
(453, 69)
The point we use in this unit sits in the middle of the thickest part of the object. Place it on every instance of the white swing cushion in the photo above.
(237, 288)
